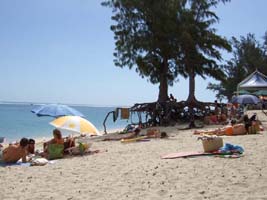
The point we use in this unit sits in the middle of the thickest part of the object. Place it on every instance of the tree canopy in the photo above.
(146, 35)
(248, 55)
(163, 39)
(200, 45)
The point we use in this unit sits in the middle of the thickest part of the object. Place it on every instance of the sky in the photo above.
(62, 52)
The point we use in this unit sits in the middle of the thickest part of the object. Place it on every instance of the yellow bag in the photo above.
(252, 129)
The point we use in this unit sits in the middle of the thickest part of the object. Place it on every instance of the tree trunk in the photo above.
(163, 85)
(191, 100)
(191, 97)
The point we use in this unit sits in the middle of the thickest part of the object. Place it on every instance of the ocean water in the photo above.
(17, 121)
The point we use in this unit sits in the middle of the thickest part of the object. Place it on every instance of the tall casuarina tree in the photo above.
(147, 35)
(200, 45)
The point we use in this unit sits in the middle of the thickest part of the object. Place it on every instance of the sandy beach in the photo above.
(136, 171)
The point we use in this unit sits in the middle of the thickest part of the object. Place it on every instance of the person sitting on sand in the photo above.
(215, 119)
(248, 122)
(14, 152)
(171, 98)
(69, 142)
(56, 140)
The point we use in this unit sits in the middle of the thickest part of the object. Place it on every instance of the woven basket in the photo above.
(212, 144)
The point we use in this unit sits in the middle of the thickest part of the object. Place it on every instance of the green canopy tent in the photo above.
(260, 93)
(242, 92)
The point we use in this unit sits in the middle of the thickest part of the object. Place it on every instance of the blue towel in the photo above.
(3, 164)
(230, 148)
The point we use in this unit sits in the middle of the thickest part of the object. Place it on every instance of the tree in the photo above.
(146, 37)
(248, 55)
(200, 46)
(227, 87)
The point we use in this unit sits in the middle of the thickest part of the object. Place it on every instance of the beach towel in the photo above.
(19, 163)
(185, 154)
(115, 114)
(55, 151)
(230, 148)
(137, 139)
(125, 113)
(222, 154)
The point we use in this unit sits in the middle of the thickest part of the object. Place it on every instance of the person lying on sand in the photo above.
(14, 152)
(155, 133)
(237, 129)
(130, 135)
(240, 127)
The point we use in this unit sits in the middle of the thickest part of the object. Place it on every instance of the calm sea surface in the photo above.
(17, 121)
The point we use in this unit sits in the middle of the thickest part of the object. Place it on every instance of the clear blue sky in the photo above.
(61, 51)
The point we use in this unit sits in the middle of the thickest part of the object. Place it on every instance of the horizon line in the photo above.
(71, 104)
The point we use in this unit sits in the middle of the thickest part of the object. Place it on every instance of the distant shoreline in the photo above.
(39, 103)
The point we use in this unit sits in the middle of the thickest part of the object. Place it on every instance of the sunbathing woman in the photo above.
(131, 135)
(233, 129)
(56, 140)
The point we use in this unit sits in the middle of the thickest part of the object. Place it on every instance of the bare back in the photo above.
(13, 153)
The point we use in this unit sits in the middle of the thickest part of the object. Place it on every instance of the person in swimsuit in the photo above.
(14, 152)
(56, 140)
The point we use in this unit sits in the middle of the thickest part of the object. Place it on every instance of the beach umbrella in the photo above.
(75, 124)
(261, 93)
(55, 110)
(246, 99)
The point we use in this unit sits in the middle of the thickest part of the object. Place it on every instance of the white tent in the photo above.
(254, 82)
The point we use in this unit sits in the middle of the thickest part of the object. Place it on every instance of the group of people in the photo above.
(26, 147)
(245, 125)
(17, 151)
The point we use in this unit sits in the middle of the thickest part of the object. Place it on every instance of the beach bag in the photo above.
(252, 129)
(39, 162)
(55, 151)
(211, 143)
(257, 125)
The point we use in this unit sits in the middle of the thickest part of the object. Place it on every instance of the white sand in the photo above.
(135, 171)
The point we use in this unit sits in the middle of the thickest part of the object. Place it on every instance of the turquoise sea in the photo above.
(17, 121)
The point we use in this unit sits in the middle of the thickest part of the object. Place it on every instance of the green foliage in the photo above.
(146, 34)
(200, 45)
(248, 55)
(162, 39)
